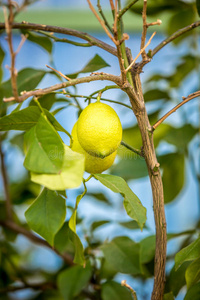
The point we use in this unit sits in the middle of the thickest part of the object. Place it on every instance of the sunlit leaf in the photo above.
(47, 214)
(123, 254)
(192, 274)
(44, 147)
(188, 253)
(72, 280)
(70, 175)
(113, 290)
(132, 204)
(93, 65)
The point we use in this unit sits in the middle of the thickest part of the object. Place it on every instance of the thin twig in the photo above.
(112, 8)
(8, 203)
(174, 36)
(64, 40)
(35, 239)
(185, 100)
(61, 74)
(123, 283)
(144, 30)
(126, 8)
(141, 51)
(138, 152)
(8, 26)
(101, 22)
(158, 22)
(103, 16)
(40, 92)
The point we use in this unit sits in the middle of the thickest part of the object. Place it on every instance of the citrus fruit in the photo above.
(92, 164)
(99, 129)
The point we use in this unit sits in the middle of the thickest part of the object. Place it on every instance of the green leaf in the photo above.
(97, 224)
(156, 94)
(192, 274)
(93, 65)
(183, 69)
(42, 41)
(130, 168)
(177, 279)
(188, 253)
(79, 251)
(179, 20)
(20, 120)
(130, 224)
(123, 254)
(47, 214)
(198, 6)
(112, 290)
(45, 149)
(62, 240)
(100, 197)
(193, 293)
(173, 166)
(70, 175)
(180, 137)
(132, 204)
(147, 249)
(72, 280)
(158, 6)
(168, 296)
(27, 79)
(2, 55)
(45, 101)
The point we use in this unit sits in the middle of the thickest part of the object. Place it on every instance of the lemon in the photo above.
(99, 129)
(92, 164)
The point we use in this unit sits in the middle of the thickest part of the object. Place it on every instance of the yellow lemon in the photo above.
(99, 129)
(92, 164)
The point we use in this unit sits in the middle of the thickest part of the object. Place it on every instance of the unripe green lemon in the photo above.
(99, 129)
(92, 164)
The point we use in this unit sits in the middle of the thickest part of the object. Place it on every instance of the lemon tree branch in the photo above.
(72, 32)
(47, 90)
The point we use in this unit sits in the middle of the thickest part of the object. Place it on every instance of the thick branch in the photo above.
(40, 92)
(6, 185)
(185, 100)
(82, 35)
(35, 239)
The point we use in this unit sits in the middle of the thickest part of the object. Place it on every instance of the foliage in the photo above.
(52, 168)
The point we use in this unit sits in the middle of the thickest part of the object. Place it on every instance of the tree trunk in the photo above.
(157, 190)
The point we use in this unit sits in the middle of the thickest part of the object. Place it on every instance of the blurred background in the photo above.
(172, 73)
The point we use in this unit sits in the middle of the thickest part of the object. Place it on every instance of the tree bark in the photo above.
(157, 190)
